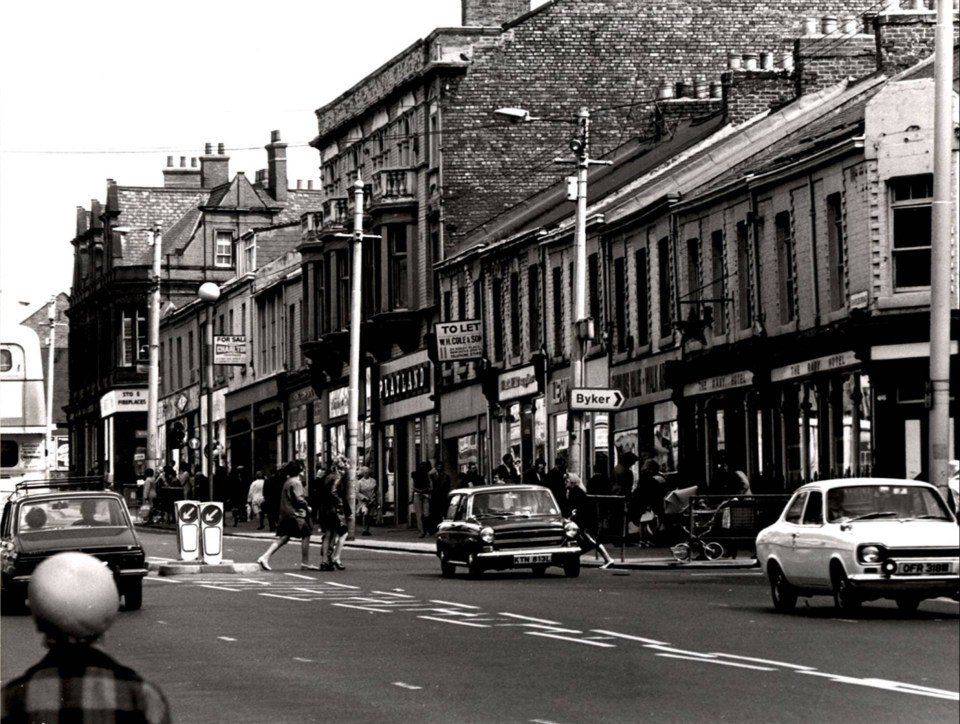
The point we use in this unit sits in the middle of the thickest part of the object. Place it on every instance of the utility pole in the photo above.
(51, 443)
(153, 355)
(940, 257)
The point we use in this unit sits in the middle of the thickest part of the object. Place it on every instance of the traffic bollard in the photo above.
(188, 529)
(211, 531)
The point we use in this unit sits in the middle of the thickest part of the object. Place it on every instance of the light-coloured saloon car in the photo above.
(860, 539)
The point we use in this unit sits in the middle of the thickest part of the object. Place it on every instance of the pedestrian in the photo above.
(201, 486)
(583, 513)
(440, 484)
(221, 488)
(421, 496)
(334, 514)
(509, 470)
(255, 499)
(728, 479)
(272, 487)
(555, 482)
(237, 491)
(293, 520)
(149, 504)
(472, 478)
(74, 600)
(186, 481)
(368, 503)
(536, 474)
(315, 491)
(646, 502)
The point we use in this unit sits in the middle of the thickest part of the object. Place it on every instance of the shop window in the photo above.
(785, 264)
(719, 281)
(643, 300)
(911, 209)
(664, 288)
(838, 252)
(224, 249)
(533, 307)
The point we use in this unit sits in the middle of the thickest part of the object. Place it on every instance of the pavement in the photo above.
(631, 557)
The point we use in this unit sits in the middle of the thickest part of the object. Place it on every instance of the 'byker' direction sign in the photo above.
(598, 399)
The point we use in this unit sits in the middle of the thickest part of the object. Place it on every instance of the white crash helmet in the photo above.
(73, 594)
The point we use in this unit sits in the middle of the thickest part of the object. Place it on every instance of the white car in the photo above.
(860, 539)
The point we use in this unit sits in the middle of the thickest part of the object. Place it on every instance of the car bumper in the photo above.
(503, 558)
(882, 585)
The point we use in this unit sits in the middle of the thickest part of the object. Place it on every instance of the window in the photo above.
(447, 307)
(619, 307)
(343, 288)
(371, 279)
(461, 303)
(533, 306)
(785, 266)
(190, 354)
(514, 313)
(838, 252)
(250, 253)
(433, 142)
(558, 328)
(320, 318)
(796, 509)
(643, 300)
(813, 513)
(719, 281)
(478, 301)
(693, 270)
(224, 251)
(397, 240)
(496, 290)
(911, 199)
(593, 282)
(133, 336)
(179, 362)
(664, 290)
(743, 276)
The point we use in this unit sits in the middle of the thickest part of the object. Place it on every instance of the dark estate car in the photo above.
(496, 527)
(39, 522)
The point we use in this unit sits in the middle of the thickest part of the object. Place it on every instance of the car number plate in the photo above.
(923, 568)
(539, 558)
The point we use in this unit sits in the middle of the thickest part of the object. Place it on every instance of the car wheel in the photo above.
(713, 551)
(474, 567)
(133, 597)
(539, 570)
(783, 594)
(447, 569)
(844, 597)
(571, 569)
(908, 603)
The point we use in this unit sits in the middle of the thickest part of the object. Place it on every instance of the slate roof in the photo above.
(144, 207)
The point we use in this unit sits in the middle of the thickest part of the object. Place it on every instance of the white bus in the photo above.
(23, 416)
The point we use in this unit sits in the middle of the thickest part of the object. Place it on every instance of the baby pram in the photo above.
(676, 506)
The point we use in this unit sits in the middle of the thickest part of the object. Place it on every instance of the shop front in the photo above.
(179, 433)
(520, 424)
(303, 443)
(124, 415)
(254, 429)
(407, 430)
(463, 412)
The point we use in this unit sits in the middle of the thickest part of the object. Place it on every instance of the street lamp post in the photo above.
(209, 293)
(153, 343)
(51, 443)
(582, 329)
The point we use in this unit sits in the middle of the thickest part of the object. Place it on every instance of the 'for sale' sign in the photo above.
(458, 341)
(229, 349)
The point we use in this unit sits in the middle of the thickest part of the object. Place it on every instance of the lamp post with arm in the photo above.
(209, 293)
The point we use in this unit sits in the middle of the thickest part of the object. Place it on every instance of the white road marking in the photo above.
(588, 642)
(402, 685)
(542, 721)
(391, 593)
(672, 650)
(226, 638)
(341, 585)
(628, 637)
(704, 660)
(529, 618)
(300, 658)
(219, 588)
(897, 686)
(453, 620)
(362, 608)
(555, 629)
(799, 667)
(300, 575)
(288, 598)
(452, 603)
(162, 579)
(253, 581)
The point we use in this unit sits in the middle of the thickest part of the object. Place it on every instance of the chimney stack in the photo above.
(825, 58)
(492, 13)
(214, 169)
(277, 168)
(181, 177)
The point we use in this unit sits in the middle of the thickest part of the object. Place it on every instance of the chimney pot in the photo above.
(310, 184)
(169, 161)
(828, 24)
(183, 162)
(750, 61)
(850, 25)
(665, 90)
(274, 136)
(809, 26)
(786, 60)
(716, 89)
(299, 184)
(734, 61)
(219, 149)
(193, 162)
(766, 60)
(701, 89)
(208, 149)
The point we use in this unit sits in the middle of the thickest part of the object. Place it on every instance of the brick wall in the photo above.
(822, 61)
(905, 39)
(602, 55)
(492, 12)
(747, 93)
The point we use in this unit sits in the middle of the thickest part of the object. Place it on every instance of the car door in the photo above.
(784, 535)
(810, 550)
(453, 526)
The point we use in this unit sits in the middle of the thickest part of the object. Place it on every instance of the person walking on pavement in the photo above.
(421, 496)
(255, 499)
(293, 520)
(335, 511)
(537, 473)
(367, 498)
(583, 513)
(509, 470)
(555, 482)
(472, 478)
(74, 600)
(271, 497)
(440, 484)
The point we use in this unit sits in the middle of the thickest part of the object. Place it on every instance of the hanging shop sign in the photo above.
(719, 383)
(338, 402)
(117, 401)
(521, 382)
(229, 349)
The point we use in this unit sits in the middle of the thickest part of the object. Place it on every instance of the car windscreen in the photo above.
(514, 503)
(70, 512)
(884, 502)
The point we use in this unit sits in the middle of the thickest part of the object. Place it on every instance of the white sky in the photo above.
(180, 73)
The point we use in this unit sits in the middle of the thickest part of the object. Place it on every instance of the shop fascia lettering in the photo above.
(405, 383)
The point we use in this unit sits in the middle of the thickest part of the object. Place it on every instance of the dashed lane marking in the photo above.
(452, 603)
(588, 642)
(628, 637)
(361, 608)
(393, 593)
(403, 685)
(220, 588)
(530, 618)
(226, 638)
(896, 686)
(458, 622)
(286, 598)
(305, 661)
(705, 660)
(784, 664)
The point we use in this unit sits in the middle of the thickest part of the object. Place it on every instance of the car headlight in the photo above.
(486, 535)
(870, 554)
(570, 529)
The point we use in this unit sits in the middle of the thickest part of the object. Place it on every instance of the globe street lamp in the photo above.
(209, 293)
